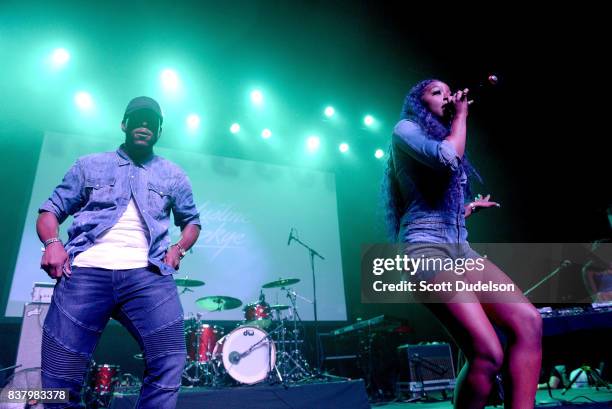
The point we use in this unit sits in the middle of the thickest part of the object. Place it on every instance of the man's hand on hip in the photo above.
(173, 257)
(55, 261)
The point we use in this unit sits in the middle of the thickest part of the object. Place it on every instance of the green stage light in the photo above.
(84, 101)
(59, 57)
(344, 147)
(313, 143)
(368, 120)
(257, 97)
(266, 133)
(329, 111)
(193, 122)
(379, 153)
(235, 128)
(169, 80)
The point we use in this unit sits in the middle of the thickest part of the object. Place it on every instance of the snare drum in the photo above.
(247, 354)
(258, 314)
(201, 339)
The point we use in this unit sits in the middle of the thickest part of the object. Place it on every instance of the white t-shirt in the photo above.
(124, 246)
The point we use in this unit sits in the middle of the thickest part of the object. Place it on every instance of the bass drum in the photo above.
(247, 353)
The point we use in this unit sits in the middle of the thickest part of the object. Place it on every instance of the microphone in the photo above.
(478, 91)
(234, 357)
(290, 237)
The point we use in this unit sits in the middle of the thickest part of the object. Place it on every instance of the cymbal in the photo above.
(279, 307)
(218, 303)
(186, 282)
(283, 282)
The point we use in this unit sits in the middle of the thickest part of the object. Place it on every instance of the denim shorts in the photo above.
(434, 239)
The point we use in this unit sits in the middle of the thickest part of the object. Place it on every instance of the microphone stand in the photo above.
(564, 264)
(312, 253)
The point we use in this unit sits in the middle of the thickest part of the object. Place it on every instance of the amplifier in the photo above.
(30, 339)
(425, 368)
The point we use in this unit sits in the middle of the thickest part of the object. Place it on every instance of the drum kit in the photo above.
(266, 344)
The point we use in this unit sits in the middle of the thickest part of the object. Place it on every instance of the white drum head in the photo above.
(254, 366)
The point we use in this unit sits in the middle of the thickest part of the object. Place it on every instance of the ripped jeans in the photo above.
(145, 302)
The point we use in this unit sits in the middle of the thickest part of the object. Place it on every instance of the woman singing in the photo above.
(425, 189)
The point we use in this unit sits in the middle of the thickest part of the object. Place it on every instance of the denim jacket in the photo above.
(426, 169)
(98, 188)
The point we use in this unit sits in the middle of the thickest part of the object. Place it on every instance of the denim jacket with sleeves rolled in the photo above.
(97, 189)
(427, 170)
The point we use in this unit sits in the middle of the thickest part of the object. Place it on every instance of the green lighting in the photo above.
(368, 120)
(169, 80)
(344, 147)
(313, 143)
(59, 57)
(266, 133)
(257, 97)
(235, 128)
(193, 122)
(83, 101)
(329, 111)
(379, 153)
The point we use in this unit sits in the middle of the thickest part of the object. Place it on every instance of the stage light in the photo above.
(368, 120)
(59, 57)
(235, 128)
(344, 147)
(379, 153)
(193, 122)
(266, 133)
(83, 101)
(257, 97)
(313, 143)
(329, 111)
(169, 80)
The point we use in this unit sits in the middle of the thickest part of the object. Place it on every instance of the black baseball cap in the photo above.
(141, 103)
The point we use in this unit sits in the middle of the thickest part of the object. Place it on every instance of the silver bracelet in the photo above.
(51, 240)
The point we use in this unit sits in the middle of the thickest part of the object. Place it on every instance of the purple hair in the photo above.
(415, 110)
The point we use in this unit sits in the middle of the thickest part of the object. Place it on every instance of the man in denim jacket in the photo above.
(118, 260)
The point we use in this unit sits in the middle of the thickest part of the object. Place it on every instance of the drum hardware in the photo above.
(248, 354)
(187, 284)
(312, 253)
(281, 282)
(101, 382)
(218, 303)
(293, 365)
(258, 313)
(200, 340)
(265, 347)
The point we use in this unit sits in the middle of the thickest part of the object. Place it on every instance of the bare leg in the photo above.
(473, 332)
(523, 325)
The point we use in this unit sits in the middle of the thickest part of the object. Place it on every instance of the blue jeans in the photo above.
(144, 301)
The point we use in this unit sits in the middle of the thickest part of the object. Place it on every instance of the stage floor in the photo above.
(341, 395)
(580, 398)
(313, 395)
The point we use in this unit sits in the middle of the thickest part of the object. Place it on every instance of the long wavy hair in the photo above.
(415, 110)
